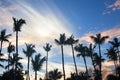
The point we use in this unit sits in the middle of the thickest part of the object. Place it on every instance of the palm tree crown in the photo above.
(55, 74)
(18, 24)
(4, 37)
(37, 63)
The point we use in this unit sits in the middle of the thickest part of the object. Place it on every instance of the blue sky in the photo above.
(46, 19)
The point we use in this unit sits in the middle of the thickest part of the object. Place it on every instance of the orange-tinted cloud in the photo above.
(114, 32)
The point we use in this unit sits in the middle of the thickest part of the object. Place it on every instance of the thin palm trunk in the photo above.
(93, 63)
(47, 66)
(35, 75)
(115, 68)
(1, 47)
(100, 62)
(8, 61)
(74, 60)
(17, 42)
(118, 55)
(28, 69)
(63, 61)
(85, 65)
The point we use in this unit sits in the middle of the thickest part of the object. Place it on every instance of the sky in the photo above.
(46, 19)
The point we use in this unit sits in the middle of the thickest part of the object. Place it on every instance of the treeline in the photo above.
(14, 68)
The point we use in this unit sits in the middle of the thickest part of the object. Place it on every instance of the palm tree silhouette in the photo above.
(112, 55)
(37, 63)
(62, 41)
(90, 51)
(97, 60)
(47, 48)
(55, 74)
(14, 62)
(3, 37)
(29, 52)
(98, 40)
(10, 49)
(82, 52)
(70, 41)
(17, 27)
(116, 44)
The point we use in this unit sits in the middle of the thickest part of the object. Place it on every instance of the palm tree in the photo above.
(99, 40)
(29, 52)
(37, 63)
(10, 49)
(47, 48)
(17, 27)
(82, 52)
(112, 55)
(62, 41)
(2, 60)
(3, 37)
(90, 51)
(14, 62)
(116, 44)
(55, 74)
(70, 41)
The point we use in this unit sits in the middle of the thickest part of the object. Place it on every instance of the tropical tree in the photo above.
(55, 74)
(14, 62)
(99, 40)
(10, 49)
(97, 60)
(71, 41)
(30, 50)
(82, 52)
(2, 60)
(90, 51)
(3, 38)
(112, 55)
(47, 48)
(17, 27)
(62, 41)
(37, 63)
(116, 44)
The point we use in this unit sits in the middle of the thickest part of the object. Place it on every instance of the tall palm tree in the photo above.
(97, 60)
(10, 49)
(90, 51)
(99, 40)
(37, 63)
(55, 74)
(62, 41)
(82, 52)
(17, 27)
(70, 41)
(30, 50)
(112, 55)
(3, 37)
(47, 48)
(116, 44)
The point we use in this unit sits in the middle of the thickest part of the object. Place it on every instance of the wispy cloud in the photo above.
(114, 32)
(112, 7)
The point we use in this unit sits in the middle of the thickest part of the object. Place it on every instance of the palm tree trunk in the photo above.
(28, 68)
(8, 61)
(100, 62)
(85, 64)
(17, 42)
(74, 60)
(115, 68)
(35, 75)
(93, 63)
(1, 47)
(47, 67)
(63, 61)
(118, 55)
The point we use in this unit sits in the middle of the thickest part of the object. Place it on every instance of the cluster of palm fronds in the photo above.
(14, 69)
